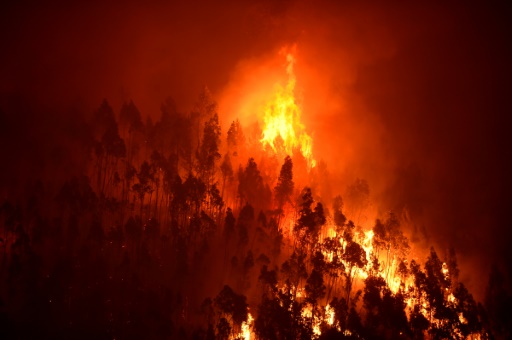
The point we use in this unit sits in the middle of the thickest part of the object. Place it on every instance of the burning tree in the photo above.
(159, 257)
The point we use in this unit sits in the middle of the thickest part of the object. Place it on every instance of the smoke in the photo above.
(125, 50)
(412, 98)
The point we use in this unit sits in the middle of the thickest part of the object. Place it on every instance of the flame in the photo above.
(307, 312)
(445, 271)
(246, 329)
(283, 130)
(367, 243)
(329, 314)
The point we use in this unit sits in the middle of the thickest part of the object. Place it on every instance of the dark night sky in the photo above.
(427, 96)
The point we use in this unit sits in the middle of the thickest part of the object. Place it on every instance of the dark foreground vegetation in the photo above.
(173, 229)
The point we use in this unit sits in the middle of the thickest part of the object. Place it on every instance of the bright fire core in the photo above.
(283, 130)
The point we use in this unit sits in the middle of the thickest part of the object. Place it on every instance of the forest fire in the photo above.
(246, 328)
(314, 191)
(283, 130)
(297, 261)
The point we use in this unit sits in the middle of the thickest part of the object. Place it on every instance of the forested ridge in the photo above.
(176, 229)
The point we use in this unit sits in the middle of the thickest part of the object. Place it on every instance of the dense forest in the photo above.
(176, 229)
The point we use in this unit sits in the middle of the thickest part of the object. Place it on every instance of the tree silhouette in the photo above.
(235, 139)
(244, 224)
(466, 309)
(389, 237)
(307, 227)
(372, 300)
(284, 187)
(355, 257)
(315, 290)
(334, 264)
(251, 188)
(226, 169)
(232, 306)
(497, 303)
(130, 121)
(135, 249)
(208, 151)
(145, 175)
(205, 108)
(294, 270)
(109, 146)
(338, 216)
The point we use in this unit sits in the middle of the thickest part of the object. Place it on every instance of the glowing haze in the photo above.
(410, 97)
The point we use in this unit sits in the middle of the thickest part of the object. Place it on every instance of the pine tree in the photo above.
(208, 153)
(284, 187)
(235, 139)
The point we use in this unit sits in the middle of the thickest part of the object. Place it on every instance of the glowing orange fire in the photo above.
(283, 130)
(246, 328)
